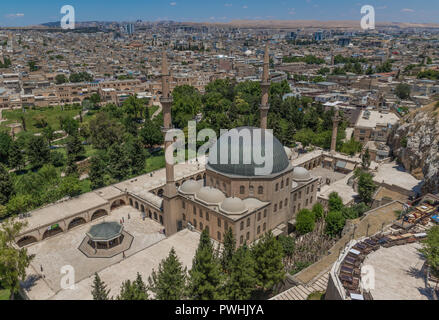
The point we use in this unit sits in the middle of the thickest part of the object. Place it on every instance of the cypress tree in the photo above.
(135, 290)
(75, 149)
(242, 281)
(38, 151)
(6, 185)
(229, 249)
(97, 172)
(268, 255)
(169, 282)
(16, 157)
(136, 155)
(118, 162)
(206, 278)
(99, 289)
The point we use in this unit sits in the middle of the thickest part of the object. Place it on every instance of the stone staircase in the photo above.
(301, 292)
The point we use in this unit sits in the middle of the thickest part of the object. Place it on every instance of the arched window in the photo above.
(241, 189)
(242, 225)
(195, 223)
(248, 222)
(260, 190)
(201, 226)
(219, 236)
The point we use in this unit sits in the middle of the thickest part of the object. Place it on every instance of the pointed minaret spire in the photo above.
(166, 102)
(265, 87)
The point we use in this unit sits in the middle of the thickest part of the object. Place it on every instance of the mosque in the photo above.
(212, 195)
(231, 195)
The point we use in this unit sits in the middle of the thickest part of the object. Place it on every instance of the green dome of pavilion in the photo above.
(105, 231)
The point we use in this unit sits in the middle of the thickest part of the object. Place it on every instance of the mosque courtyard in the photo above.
(45, 273)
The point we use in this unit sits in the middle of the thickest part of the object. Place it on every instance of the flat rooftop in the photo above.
(376, 118)
(56, 212)
(398, 274)
(345, 191)
(394, 174)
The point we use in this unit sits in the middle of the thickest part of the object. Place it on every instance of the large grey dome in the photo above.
(245, 168)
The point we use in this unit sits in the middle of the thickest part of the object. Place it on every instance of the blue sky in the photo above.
(28, 12)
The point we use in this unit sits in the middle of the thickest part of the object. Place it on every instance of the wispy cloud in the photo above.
(407, 10)
(14, 15)
(173, 4)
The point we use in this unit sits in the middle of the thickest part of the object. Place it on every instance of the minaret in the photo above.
(265, 87)
(170, 210)
(335, 121)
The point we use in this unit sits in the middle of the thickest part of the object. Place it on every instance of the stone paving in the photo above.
(62, 250)
(398, 274)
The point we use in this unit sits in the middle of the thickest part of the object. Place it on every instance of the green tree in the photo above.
(318, 211)
(402, 91)
(97, 172)
(16, 157)
(118, 164)
(170, 280)
(242, 280)
(99, 289)
(205, 277)
(135, 290)
(105, 131)
(48, 134)
(229, 249)
(6, 185)
(335, 202)
(38, 152)
(5, 144)
(60, 79)
(13, 261)
(335, 223)
(151, 133)
(70, 186)
(366, 188)
(305, 221)
(430, 249)
(20, 204)
(74, 147)
(365, 158)
(288, 245)
(268, 256)
(57, 159)
(69, 125)
(136, 155)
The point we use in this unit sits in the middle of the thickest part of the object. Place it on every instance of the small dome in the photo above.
(301, 174)
(288, 152)
(233, 206)
(210, 196)
(190, 187)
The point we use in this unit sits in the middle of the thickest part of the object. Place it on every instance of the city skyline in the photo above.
(25, 13)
